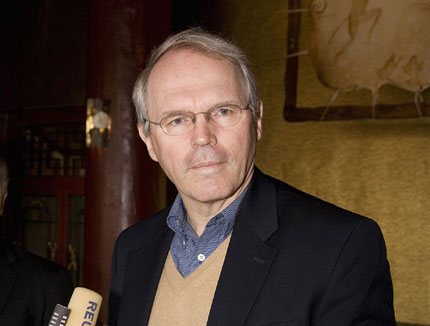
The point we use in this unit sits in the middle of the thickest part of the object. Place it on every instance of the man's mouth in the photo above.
(209, 164)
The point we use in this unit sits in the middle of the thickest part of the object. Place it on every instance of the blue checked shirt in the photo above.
(187, 249)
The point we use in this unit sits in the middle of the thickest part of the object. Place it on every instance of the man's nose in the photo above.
(203, 131)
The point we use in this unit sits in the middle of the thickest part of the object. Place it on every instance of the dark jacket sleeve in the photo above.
(360, 288)
(115, 288)
(35, 285)
(58, 292)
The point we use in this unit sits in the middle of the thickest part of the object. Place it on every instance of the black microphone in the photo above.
(59, 316)
(83, 309)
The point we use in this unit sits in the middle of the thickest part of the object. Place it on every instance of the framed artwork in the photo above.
(354, 49)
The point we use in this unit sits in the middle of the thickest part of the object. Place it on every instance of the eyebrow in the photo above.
(169, 113)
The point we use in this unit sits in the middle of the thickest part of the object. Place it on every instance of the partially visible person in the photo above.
(30, 286)
(4, 181)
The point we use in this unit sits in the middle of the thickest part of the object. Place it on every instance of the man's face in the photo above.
(209, 163)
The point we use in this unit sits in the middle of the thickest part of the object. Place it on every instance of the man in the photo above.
(236, 247)
(30, 286)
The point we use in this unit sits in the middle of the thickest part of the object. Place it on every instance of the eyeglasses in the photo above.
(178, 123)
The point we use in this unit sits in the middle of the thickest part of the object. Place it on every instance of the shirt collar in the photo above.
(177, 217)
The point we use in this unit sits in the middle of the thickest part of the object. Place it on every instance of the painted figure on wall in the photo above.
(365, 44)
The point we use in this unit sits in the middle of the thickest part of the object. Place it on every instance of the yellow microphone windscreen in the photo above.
(84, 307)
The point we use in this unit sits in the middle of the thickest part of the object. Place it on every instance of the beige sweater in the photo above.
(187, 301)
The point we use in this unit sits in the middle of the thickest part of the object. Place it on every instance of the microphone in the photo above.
(83, 309)
(85, 306)
(59, 316)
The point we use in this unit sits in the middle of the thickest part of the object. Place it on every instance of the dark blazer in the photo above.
(30, 287)
(292, 260)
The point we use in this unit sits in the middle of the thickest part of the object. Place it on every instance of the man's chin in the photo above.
(210, 198)
(209, 192)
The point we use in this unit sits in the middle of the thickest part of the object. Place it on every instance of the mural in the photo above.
(365, 44)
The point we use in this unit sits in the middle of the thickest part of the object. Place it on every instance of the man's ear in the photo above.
(148, 142)
(260, 121)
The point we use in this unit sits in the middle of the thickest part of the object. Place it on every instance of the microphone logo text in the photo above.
(89, 314)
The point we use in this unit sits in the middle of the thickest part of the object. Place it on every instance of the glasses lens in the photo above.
(226, 115)
(177, 124)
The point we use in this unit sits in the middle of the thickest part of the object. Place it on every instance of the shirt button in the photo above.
(201, 257)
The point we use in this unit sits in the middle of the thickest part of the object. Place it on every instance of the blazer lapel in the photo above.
(248, 258)
(144, 267)
(7, 275)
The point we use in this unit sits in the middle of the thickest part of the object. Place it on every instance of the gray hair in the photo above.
(209, 44)
(4, 174)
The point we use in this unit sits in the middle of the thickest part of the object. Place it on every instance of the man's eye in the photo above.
(176, 121)
(223, 112)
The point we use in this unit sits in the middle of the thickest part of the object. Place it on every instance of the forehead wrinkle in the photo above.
(205, 108)
(178, 73)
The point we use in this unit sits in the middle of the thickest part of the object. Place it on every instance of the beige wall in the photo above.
(376, 168)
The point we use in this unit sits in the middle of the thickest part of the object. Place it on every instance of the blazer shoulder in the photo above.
(25, 262)
(135, 236)
(36, 286)
(296, 207)
(38, 272)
